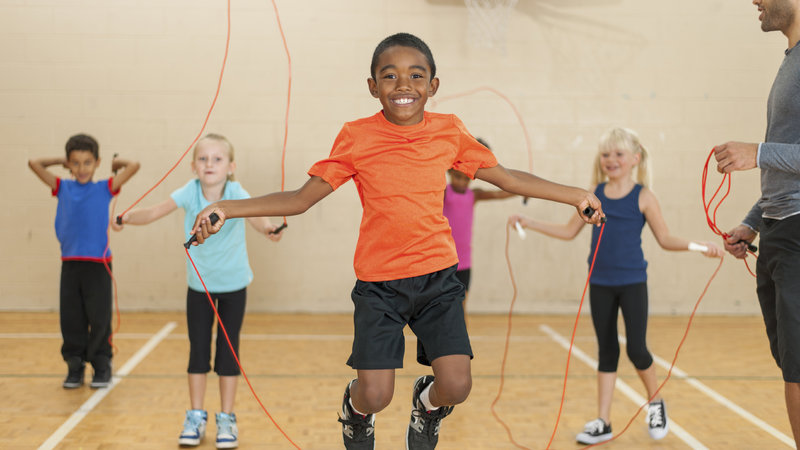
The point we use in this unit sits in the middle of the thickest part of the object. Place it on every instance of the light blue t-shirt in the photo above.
(222, 259)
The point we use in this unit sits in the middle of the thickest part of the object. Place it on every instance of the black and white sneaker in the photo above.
(594, 432)
(75, 371)
(423, 428)
(358, 431)
(102, 374)
(657, 419)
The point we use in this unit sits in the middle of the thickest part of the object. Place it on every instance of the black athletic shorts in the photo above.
(431, 306)
(464, 276)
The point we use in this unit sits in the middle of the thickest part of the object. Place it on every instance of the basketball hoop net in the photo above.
(487, 22)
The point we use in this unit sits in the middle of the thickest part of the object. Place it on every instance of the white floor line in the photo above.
(676, 429)
(95, 399)
(278, 337)
(719, 398)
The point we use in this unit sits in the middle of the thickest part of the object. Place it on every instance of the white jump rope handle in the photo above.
(520, 230)
(695, 247)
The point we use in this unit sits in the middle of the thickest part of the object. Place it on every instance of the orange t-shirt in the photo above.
(400, 174)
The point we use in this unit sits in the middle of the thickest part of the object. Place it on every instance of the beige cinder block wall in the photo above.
(140, 77)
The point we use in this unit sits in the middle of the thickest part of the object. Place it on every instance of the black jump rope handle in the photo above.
(750, 246)
(279, 229)
(214, 218)
(589, 212)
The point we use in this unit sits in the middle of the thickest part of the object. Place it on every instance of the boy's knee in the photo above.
(454, 390)
(373, 398)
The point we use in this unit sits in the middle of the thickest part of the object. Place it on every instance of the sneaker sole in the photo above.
(104, 384)
(189, 442)
(659, 435)
(590, 440)
(71, 385)
(233, 444)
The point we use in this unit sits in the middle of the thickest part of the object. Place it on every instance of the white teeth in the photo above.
(403, 101)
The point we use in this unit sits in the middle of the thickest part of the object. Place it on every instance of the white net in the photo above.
(487, 23)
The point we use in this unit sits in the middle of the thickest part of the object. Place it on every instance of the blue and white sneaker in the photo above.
(194, 428)
(227, 431)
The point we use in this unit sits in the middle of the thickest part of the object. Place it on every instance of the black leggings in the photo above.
(200, 321)
(605, 302)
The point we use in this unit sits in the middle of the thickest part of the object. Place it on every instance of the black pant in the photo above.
(778, 287)
(85, 307)
(200, 320)
(605, 302)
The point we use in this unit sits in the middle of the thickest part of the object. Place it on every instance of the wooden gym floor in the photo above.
(726, 393)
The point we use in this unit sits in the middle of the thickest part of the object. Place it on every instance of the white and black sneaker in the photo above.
(423, 428)
(358, 431)
(657, 419)
(594, 432)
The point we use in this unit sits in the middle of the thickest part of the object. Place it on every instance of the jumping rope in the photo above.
(711, 219)
(183, 155)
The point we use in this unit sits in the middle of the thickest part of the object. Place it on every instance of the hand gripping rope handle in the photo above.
(213, 218)
(589, 212)
(277, 230)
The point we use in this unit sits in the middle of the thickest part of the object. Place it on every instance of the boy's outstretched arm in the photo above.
(129, 168)
(528, 185)
(39, 167)
(288, 203)
(481, 194)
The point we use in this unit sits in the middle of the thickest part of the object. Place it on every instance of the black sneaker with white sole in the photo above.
(75, 370)
(358, 431)
(594, 432)
(423, 428)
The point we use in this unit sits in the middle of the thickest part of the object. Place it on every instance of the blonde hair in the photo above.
(218, 138)
(625, 139)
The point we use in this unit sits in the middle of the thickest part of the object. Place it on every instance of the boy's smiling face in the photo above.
(82, 164)
(403, 84)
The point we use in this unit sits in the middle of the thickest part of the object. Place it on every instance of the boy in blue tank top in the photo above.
(81, 228)
(619, 278)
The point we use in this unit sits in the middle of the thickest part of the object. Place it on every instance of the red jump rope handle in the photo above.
(589, 212)
(214, 218)
(279, 229)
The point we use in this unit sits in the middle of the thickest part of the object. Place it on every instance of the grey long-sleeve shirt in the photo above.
(779, 154)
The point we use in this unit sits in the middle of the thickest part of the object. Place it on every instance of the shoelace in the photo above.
(655, 415)
(225, 426)
(433, 419)
(359, 424)
(595, 426)
(192, 424)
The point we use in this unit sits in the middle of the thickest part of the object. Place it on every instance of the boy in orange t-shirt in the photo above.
(405, 258)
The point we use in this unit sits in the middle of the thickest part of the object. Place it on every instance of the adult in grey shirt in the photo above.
(776, 215)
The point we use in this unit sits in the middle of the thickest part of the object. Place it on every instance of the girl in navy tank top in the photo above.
(619, 278)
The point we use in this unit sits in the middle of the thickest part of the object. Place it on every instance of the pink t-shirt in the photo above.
(458, 208)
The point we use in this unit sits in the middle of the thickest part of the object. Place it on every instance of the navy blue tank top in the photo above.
(620, 259)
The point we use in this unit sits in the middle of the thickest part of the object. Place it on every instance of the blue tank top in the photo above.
(620, 259)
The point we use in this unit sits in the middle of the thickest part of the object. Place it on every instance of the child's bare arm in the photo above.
(39, 167)
(264, 226)
(143, 216)
(648, 204)
(277, 204)
(129, 168)
(529, 185)
(566, 231)
(481, 194)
